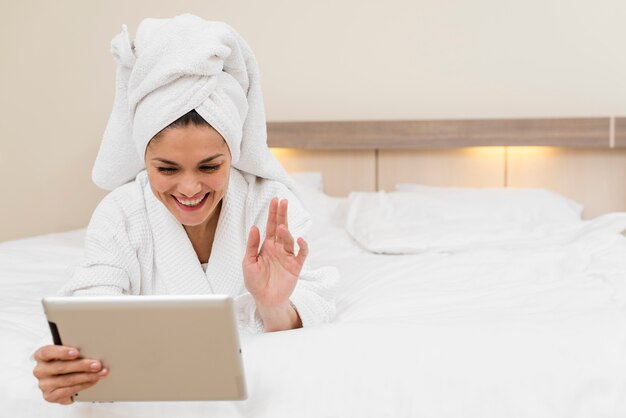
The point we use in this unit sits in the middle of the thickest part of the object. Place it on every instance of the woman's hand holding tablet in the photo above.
(62, 372)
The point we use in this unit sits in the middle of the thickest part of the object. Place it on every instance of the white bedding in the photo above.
(518, 331)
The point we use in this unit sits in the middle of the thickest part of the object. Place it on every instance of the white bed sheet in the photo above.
(527, 331)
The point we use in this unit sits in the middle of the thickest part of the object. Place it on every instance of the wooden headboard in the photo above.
(581, 158)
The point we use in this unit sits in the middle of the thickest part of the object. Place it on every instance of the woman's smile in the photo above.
(190, 205)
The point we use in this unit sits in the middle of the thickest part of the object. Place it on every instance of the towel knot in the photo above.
(123, 49)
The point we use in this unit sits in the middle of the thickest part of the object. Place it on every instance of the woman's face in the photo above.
(188, 169)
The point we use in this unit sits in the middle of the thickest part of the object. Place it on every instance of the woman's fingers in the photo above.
(67, 401)
(60, 389)
(53, 383)
(285, 239)
(288, 245)
(53, 360)
(252, 248)
(303, 252)
(281, 217)
(76, 366)
(64, 395)
(281, 220)
(270, 229)
(56, 352)
(276, 216)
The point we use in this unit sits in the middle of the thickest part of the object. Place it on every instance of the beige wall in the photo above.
(393, 59)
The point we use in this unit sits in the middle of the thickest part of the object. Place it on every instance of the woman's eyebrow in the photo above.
(163, 160)
(206, 160)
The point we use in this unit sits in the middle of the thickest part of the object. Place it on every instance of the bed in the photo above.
(461, 301)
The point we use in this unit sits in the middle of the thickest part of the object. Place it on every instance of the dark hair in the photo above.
(190, 118)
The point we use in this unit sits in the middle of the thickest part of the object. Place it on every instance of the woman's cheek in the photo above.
(219, 183)
(159, 185)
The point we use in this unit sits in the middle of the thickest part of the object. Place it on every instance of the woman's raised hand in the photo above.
(271, 273)
(62, 373)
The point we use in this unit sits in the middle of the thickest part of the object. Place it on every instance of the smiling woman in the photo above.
(191, 178)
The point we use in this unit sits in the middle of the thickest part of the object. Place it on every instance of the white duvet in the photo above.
(530, 329)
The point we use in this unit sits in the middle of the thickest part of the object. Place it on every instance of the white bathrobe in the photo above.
(135, 246)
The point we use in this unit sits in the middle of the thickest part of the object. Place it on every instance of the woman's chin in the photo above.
(200, 217)
(191, 220)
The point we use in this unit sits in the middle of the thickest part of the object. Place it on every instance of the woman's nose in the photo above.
(189, 186)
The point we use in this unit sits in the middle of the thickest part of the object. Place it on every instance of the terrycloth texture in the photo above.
(174, 66)
(135, 246)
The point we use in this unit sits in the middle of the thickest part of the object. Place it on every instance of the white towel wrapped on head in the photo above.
(175, 66)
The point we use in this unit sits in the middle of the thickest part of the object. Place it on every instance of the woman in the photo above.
(188, 126)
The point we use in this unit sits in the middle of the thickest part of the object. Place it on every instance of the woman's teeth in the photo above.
(190, 203)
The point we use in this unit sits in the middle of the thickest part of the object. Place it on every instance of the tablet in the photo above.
(157, 348)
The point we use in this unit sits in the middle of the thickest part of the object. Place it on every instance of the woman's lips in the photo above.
(194, 208)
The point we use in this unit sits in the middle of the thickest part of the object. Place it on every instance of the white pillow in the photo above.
(418, 218)
(534, 206)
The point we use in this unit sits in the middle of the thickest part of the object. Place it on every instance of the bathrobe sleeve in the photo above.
(110, 264)
(314, 295)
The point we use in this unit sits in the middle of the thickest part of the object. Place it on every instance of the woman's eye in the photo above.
(209, 167)
(166, 170)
